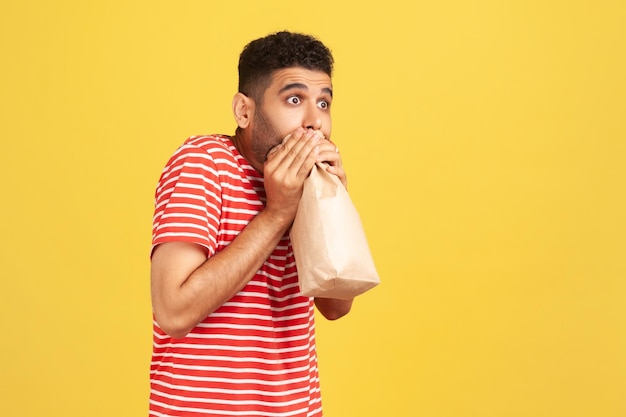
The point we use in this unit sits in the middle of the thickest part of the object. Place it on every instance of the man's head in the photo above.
(262, 57)
(284, 85)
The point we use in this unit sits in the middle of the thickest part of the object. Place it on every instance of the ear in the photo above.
(243, 110)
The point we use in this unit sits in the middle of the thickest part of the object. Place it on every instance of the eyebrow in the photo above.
(300, 86)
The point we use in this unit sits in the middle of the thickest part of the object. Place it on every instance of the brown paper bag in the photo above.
(329, 244)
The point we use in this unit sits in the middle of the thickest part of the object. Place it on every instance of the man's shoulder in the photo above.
(217, 148)
(209, 143)
(215, 154)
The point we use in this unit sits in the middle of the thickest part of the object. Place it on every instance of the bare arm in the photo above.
(186, 286)
(332, 308)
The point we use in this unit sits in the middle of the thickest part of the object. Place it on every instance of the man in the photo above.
(232, 334)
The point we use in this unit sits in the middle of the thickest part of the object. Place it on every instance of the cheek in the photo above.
(327, 126)
(287, 122)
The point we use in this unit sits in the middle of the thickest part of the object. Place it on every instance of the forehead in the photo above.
(302, 78)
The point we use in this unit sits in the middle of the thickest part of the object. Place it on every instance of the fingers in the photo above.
(297, 154)
(302, 153)
(299, 151)
(288, 165)
(329, 153)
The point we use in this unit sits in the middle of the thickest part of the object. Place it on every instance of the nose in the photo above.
(312, 118)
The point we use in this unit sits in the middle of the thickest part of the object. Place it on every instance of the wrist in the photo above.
(280, 220)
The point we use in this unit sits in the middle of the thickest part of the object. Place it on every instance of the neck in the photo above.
(239, 140)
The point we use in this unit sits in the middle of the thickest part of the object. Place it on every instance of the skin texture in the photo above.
(282, 137)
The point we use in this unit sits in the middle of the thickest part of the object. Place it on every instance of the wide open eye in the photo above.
(323, 104)
(294, 100)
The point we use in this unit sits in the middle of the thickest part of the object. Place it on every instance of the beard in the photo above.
(263, 136)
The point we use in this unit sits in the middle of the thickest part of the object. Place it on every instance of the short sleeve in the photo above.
(188, 200)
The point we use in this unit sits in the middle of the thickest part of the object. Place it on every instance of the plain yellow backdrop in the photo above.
(485, 145)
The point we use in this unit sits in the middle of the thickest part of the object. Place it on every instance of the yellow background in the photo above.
(485, 145)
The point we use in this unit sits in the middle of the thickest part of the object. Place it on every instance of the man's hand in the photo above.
(288, 165)
(329, 153)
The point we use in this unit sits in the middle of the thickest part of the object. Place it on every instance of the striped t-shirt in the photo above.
(255, 355)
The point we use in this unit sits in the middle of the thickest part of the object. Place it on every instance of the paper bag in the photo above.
(329, 244)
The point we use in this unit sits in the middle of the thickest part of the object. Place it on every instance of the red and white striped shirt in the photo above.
(255, 355)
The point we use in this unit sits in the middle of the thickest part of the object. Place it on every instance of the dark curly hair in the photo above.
(261, 57)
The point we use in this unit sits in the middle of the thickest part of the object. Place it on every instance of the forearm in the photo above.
(180, 304)
(228, 271)
(333, 308)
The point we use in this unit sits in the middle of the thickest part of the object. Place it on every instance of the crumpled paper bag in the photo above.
(328, 240)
